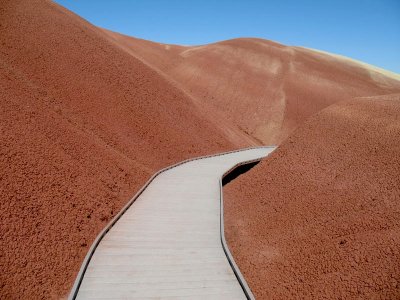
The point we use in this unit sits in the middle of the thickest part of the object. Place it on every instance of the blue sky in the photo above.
(365, 30)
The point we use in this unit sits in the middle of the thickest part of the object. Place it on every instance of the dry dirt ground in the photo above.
(88, 115)
(83, 125)
(320, 217)
(264, 88)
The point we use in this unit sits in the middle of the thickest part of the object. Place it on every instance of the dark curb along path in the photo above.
(168, 242)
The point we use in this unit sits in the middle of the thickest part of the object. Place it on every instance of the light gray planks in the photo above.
(167, 245)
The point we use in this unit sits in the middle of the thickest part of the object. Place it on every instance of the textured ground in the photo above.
(320, 217)
(264, 88)
(82, 126)
(88, 115)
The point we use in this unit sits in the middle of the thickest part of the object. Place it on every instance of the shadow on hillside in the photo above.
(237, 172)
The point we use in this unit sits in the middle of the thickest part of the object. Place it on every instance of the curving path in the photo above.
(167, 242)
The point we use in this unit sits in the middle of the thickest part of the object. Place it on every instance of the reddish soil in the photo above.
(264, 88)
(320, 217)
(83, 125)
(88, 115)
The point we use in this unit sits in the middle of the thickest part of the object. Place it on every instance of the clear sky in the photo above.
(366, 30)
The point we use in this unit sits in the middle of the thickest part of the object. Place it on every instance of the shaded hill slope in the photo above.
(83, 125)
(320, 217)
(265, 88)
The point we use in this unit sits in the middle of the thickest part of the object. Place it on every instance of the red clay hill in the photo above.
(264, 88)
(83, 125)
(88, 115)
(320, 218)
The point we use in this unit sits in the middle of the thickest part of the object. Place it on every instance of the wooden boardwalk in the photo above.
(167, 245)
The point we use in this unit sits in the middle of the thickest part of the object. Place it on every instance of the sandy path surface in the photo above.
(320, 217)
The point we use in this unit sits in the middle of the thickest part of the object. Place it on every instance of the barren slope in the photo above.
(88, 115)
(83, 125)
(265, 88)
(320, 218)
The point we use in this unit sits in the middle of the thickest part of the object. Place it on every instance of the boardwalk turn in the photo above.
(168, 243)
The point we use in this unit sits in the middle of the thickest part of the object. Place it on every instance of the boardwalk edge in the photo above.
(75, 289)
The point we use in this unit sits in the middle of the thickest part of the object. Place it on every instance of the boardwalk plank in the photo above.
(167, 245)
